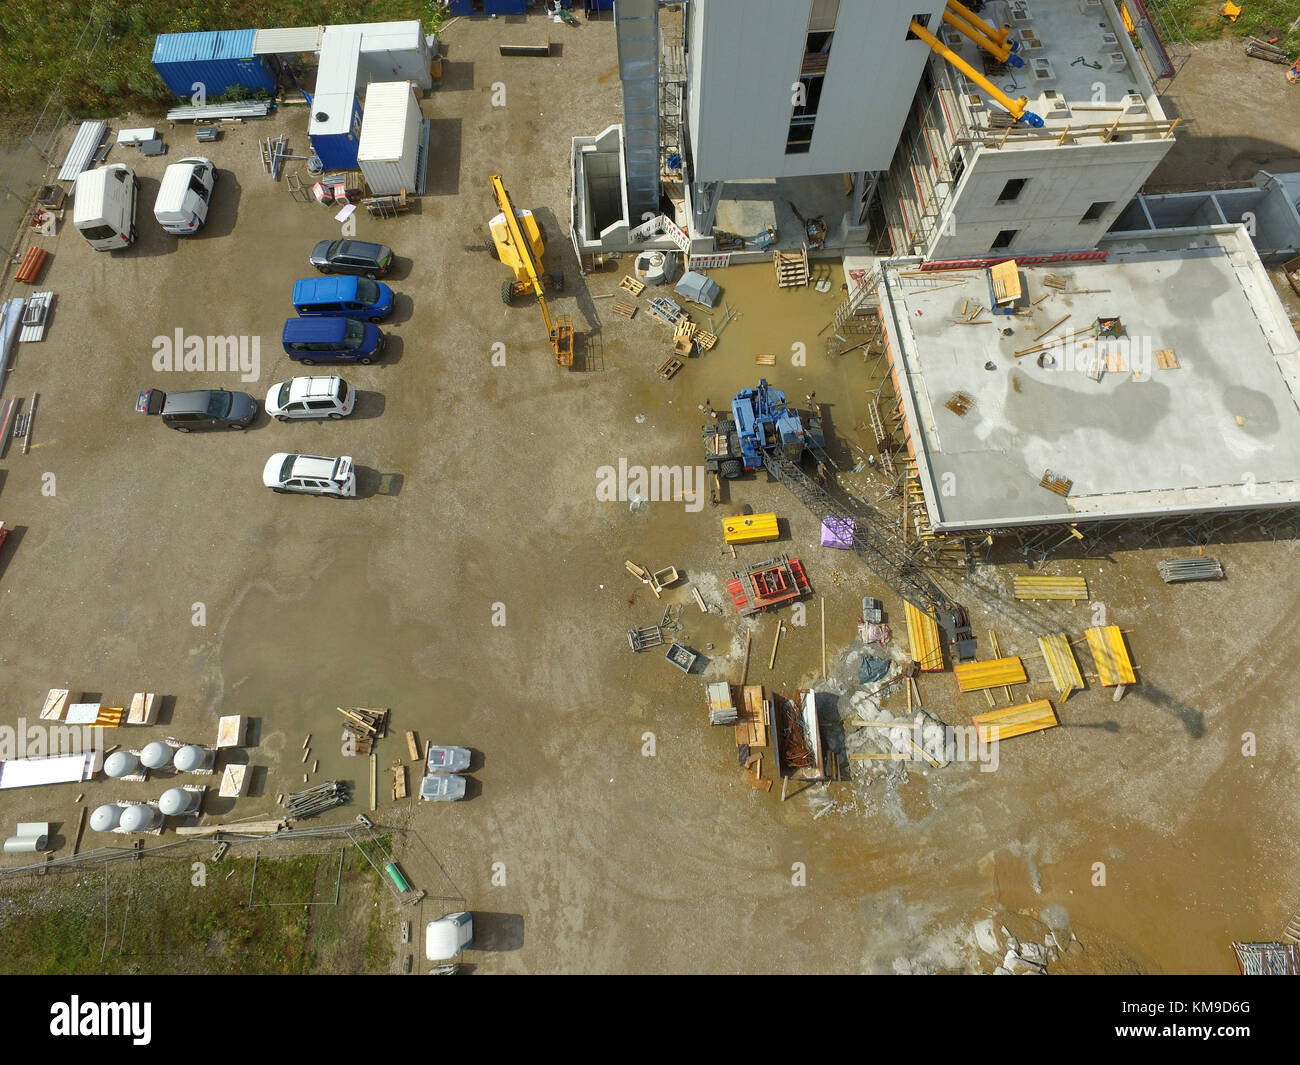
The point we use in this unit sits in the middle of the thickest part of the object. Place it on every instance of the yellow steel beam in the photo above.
(961, 11)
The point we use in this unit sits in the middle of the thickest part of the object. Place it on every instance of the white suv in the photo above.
(311, 397)
(313, 474)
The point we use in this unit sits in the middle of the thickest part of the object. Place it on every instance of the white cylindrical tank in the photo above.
(106, 818)
(156, 755)
(192, 759)
(26, 844)
(141, 818)
(178, 801)
(656, 267)
(120, 764)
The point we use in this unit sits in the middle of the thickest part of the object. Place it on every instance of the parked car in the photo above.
(313, 340)
(204, 408)
(183, 196)
(342, 297)
(442, 787)
(352, 257)
(310, 397)
(447, 759)
(311, 474)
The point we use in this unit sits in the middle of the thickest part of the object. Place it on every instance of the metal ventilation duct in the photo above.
(636, 23)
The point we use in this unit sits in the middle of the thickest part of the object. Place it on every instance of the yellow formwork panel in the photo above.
(1061, 663)
(750, 529)
(1015, 720)
(923, 639)
(1114, 666)
(1073, 588)
(993, 673)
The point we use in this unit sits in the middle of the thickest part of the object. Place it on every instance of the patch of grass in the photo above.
(1200, 20)
(164, 916)
(107, 55)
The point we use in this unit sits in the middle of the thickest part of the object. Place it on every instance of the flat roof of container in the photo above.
(1219, 432)
(386, 121)
(203, 44)
(287, 40)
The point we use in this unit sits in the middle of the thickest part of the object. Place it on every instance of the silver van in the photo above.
(182, 204)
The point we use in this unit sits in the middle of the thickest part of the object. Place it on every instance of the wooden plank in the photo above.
(1059, 321)
(1061, 663)
(765, 360)
(1031, 588)
(1110, 655)
(776, 642)
(624, 307)
(923, 640)
(991, 673)
(374, 785)
(1015, 721)
(412, 746)
(752, 698)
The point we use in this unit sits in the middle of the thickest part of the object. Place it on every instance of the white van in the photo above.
(103, 206)
(182, 204)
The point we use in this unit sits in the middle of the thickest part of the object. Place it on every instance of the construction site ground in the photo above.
(477, 588)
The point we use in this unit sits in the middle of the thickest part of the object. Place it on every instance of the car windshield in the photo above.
(282, 399)
(219, 404)
(343, 391)
(286, 470)
(334, 249)
(367, 291)
(354, 334)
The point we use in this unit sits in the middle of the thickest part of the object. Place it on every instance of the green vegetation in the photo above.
(159, 921)
(1201, 21)
(106, 46)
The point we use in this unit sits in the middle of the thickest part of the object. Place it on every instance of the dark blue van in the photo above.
(313, 340)
(342, 297)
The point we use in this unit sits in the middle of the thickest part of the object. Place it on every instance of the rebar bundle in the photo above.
(317, 799)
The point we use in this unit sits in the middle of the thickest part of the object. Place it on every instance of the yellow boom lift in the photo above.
(515, 238)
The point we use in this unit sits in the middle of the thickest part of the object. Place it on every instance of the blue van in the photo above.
(342, 297)
(313, 340)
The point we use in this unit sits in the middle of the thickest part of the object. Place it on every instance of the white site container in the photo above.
(390, 138)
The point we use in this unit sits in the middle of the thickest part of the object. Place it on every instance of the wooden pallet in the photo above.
(705, 340)
(791, 268)
(32, 265)
(765, 360)
(625, 307)
(685, 328)
(669, 367)
(399, 781)
(632, 285)
(1060, 485)
(1055, 281)
(752, 728)
(1166, 359)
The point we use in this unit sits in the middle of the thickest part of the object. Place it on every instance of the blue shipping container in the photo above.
(490, 7)
(219, 60)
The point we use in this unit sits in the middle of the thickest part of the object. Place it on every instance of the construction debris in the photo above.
(316, 800)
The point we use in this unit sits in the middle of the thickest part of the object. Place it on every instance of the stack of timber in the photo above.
(1075, 589)
(364, 725)
(1015, 721)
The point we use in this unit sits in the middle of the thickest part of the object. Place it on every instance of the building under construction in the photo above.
(1150, 384)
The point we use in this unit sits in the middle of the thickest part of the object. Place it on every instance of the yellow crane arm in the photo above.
(1015, 107)
(520, 243)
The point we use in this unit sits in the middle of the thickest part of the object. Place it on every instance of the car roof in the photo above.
(189, 402)
(315, 289)
(361, 247)
(306, 329)
(319, 466)
(314, 387)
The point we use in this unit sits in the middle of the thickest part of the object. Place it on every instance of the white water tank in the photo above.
(106, 818)
(141, 818)
(120, 764)
(156, 755)
(176, 802)
(192, 759)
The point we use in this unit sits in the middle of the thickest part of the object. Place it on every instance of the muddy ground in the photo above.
(479, 505)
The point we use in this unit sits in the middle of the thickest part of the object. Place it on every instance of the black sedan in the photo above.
(352, 257)
(206, 408)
